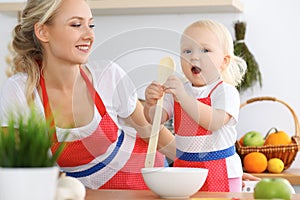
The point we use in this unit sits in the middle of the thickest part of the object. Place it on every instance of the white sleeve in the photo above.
(227, 98)
(115, 88)
(168, 105)
(125, 96)
(13, 99)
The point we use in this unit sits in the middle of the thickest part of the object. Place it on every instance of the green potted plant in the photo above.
(27, 166)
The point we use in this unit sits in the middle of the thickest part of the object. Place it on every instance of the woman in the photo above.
(94, 104)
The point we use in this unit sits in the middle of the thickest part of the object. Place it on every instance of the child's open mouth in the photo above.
(196, 70)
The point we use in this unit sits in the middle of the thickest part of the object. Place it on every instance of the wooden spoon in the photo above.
(166, 68)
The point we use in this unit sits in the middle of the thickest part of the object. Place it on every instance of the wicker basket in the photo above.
(287, 153)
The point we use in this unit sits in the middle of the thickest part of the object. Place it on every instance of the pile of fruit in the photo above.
(256, 162)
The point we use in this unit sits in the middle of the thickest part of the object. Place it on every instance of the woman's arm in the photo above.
(166, 142)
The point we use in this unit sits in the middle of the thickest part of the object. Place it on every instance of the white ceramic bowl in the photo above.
(174, 182)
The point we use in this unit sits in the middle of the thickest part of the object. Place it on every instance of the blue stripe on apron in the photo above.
(206, 156)
(100, 165)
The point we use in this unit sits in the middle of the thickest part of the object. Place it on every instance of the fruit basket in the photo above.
(287, 153)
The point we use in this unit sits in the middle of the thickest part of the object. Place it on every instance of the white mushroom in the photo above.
(69, 188)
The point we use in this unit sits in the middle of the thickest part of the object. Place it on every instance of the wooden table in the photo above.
(148, 195)
(293, 175)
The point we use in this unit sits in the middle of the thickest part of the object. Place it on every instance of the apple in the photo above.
(273, 188)
(254, 138)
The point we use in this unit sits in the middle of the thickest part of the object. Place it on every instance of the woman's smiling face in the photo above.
(202, 57)
(70, 35)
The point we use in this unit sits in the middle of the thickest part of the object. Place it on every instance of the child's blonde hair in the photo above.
(233, 74)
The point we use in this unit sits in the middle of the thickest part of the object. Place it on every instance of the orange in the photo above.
(255, 162)
(241, 141)
(277, 138)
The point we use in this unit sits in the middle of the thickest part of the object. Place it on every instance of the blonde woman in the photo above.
(89, 101)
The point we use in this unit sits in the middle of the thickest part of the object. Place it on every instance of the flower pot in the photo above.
(28, 183)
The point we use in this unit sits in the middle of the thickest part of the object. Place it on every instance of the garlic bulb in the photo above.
(69, 188)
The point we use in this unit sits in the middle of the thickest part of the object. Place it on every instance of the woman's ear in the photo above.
(41, 32)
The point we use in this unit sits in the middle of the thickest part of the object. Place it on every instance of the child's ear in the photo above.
(41, 32)
(226, 62)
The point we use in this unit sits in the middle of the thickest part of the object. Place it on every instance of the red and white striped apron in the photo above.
(194, 136)
(109, 158)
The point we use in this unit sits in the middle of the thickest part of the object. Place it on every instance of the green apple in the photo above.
(254, 138)
(273, 188)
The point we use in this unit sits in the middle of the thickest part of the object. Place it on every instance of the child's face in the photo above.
(202, 57)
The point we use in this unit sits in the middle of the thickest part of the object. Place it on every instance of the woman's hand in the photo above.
(153, 92)
(248, 177)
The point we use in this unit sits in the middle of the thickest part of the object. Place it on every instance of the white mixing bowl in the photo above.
(174, 182)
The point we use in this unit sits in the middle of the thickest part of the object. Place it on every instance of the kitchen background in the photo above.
(137, 42)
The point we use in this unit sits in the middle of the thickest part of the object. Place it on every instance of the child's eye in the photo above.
(92, 26)
(204, 51)
(187, 51)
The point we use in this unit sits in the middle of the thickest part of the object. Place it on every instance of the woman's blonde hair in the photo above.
(234, 73)
(28, 51)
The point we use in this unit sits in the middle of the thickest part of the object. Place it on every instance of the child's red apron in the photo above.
(108, 158)
(184, 125)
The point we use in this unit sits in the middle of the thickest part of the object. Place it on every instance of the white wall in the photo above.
(7, 22)
(138, 42)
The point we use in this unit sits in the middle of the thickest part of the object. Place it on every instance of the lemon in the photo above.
(275, 165)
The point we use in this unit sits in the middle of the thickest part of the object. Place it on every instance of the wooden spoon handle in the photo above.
(152, 146)
(166, 68)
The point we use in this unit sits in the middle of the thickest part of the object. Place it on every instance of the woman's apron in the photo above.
(108, 158)
(192, 132)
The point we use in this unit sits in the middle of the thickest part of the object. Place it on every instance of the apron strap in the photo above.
(98, 101)
(47, 109)
(214, 88)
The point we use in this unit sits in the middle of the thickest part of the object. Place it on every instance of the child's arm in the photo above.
(204, 115)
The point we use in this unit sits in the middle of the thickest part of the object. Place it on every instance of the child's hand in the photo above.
(153, 92)
(174, 86)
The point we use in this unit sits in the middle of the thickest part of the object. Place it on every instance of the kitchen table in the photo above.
(292, 175)
(148, 195)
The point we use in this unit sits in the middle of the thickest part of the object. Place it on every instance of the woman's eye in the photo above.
(76, 25)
